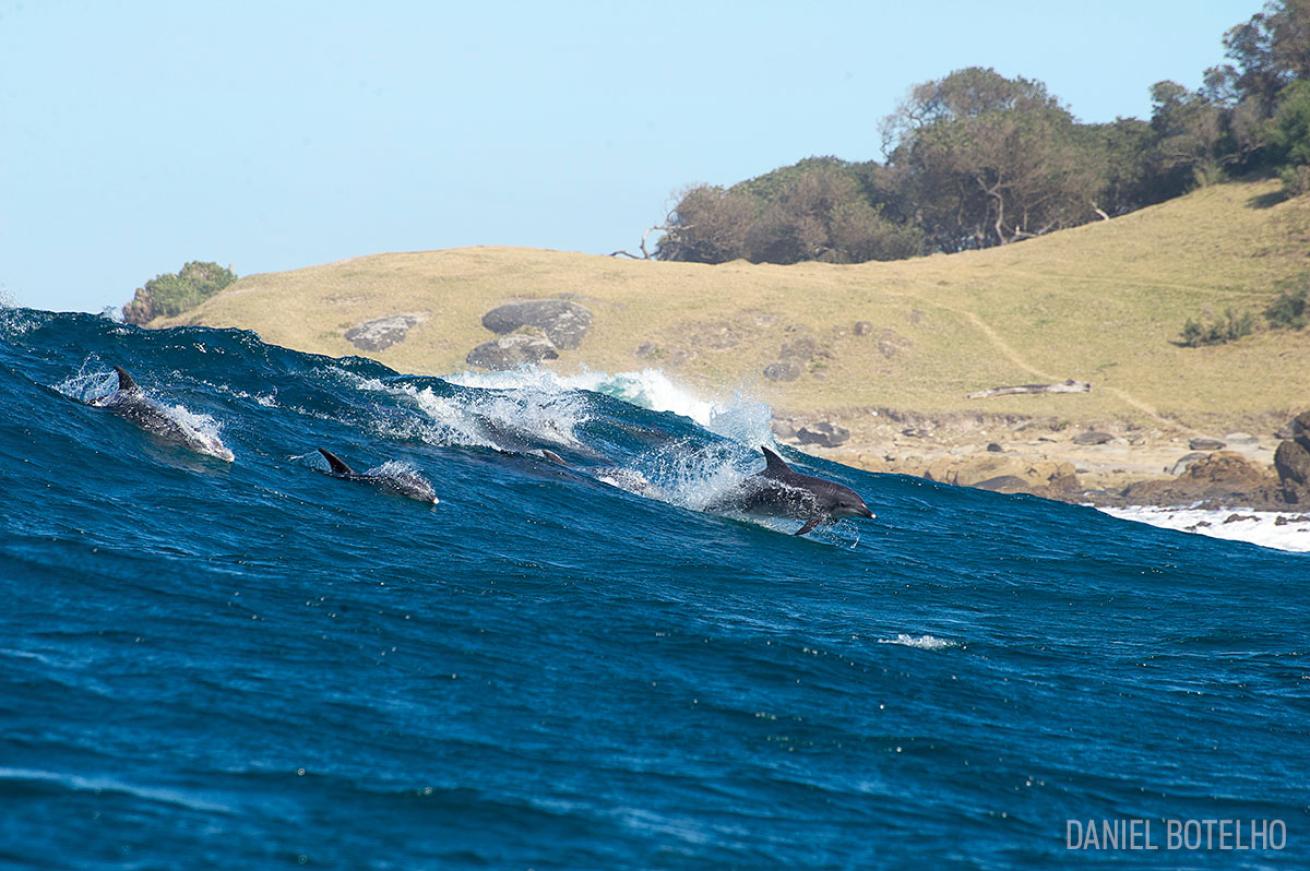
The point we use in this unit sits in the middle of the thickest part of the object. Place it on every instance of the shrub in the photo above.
(173, 293)
(1289, 310)
(1229, 328)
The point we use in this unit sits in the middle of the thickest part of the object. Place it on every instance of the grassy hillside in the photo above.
(1099, 303)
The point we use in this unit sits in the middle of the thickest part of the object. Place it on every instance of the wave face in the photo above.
(254, 663)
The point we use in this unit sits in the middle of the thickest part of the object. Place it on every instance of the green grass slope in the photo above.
(1100, 303)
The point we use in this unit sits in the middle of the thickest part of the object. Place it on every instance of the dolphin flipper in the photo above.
(338, 467)
(125, 382)
(810, 524)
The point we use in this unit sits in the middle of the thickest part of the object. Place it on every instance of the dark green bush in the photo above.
(1229, 328)
(1289, 310)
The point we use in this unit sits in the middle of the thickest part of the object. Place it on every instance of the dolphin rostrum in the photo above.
(781, 491)
(130, 402)
(390, 476)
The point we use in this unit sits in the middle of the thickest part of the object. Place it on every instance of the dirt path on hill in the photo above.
(1014, 357)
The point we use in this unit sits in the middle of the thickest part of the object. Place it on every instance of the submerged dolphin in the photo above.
(780, 491)
(130, 402)
(398, 480)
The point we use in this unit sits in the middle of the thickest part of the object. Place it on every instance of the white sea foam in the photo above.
(202, 432)
(496, 419)
(1264, 529)
(649, 388)
(921, 642)
(738, 417)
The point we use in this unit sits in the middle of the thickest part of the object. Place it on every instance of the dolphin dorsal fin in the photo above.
(125, 382)
(773, 462)
(338, 467)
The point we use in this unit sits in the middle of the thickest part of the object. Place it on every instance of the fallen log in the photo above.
(1069, 386)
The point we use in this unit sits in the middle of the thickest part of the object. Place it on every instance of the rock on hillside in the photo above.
(563, 321)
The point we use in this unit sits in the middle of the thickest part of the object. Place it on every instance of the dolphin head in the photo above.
(845, 502)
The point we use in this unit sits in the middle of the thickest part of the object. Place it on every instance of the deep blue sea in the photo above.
(251, 663)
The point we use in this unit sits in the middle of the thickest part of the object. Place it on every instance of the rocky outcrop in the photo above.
(1093, 437)
(1219, 478)
(564, 321)
(1007, 474)
(140, 309)
(381, 333)
(512, 351)
(1205, 444)
(1292, 460)
(1005, 484)
(824, 434)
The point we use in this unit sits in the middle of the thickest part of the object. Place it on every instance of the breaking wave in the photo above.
(574, 664)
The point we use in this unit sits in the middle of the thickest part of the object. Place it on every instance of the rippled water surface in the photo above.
(251, 662)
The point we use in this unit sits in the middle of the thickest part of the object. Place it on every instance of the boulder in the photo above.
(1292, 462)
(863, 328)
(1185, 461)
(1221, 477)
(783, 370)
(1005, 484)
(824, 433)
(381, 333)
(1228, 469)
(1202, 443)
(994, 448)
(512, 351)
(1092, 437)
(563, 321)
(1300, 427)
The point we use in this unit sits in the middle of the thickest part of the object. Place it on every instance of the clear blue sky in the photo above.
(135, 136)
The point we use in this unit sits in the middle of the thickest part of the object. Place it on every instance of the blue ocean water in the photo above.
(252, 663)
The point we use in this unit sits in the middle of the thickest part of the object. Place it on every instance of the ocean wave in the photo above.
(79, 783)
(543, 639)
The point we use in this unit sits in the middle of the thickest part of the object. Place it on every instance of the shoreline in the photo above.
(1118, 464)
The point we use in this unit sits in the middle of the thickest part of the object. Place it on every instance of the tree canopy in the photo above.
(175, 292)
(976, 159)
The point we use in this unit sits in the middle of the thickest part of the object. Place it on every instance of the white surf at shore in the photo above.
(1282, 530)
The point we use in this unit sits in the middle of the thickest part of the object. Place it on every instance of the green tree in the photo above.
(989, 160)
(175, 292)
(1289, 137)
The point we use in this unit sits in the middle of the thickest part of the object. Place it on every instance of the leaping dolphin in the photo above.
(130, 402)
(395, 478)
(779, 490)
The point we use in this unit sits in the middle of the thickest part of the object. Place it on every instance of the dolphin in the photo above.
(779, 490)
(130, 402)
(398, 480)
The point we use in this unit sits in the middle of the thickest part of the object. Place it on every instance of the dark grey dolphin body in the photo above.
(130, 402)
(781, 491)
(402, 482)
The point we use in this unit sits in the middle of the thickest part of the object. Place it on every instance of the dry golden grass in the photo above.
(1100, 303)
